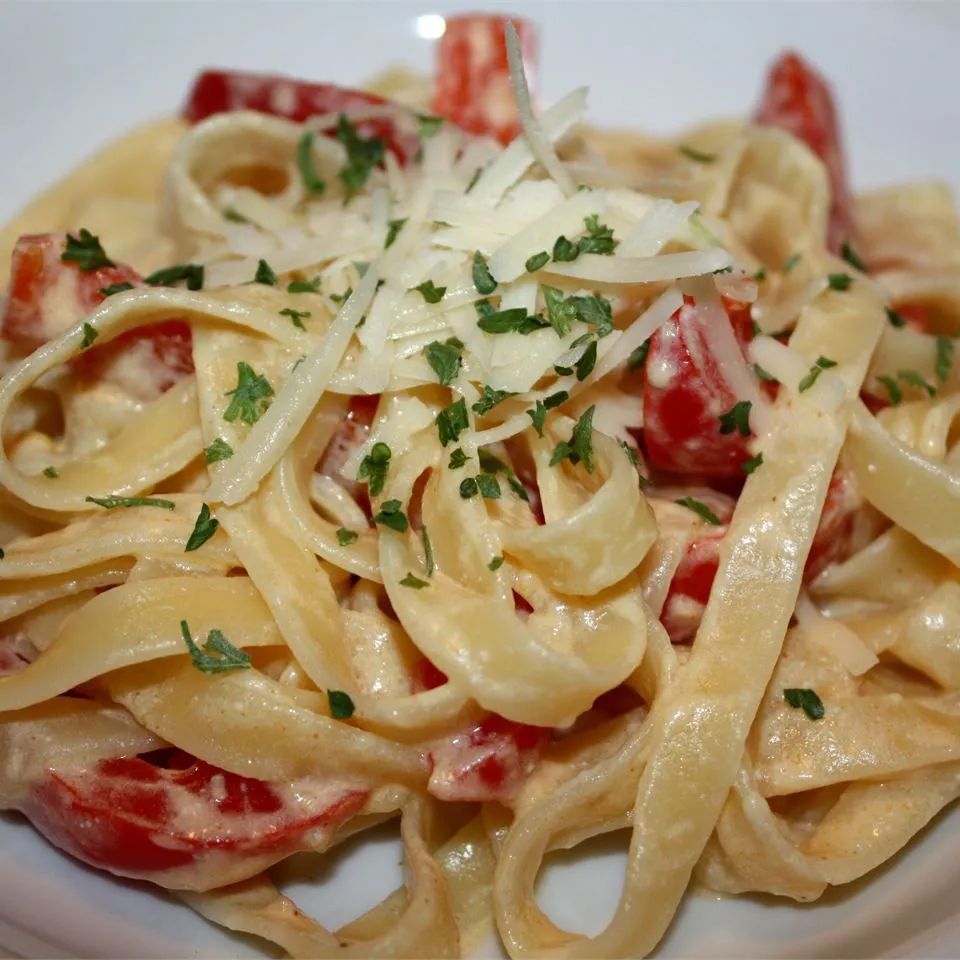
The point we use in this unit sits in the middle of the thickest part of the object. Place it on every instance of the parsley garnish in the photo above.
(228, 657)
(90, 334)
(563, 311)
(895, 318)
(495, 564)
(945, 347)
(639, 356)
(805, 700)
(483, 279)
(537, 261)
(737, 418)
(457, 459)
(362, 156)
(341, 298)
(393, 228)
(580, 446)
(791, 262)
(428, 560)
(559, 313)
(893, 389)
(452, 421)
(760, 275)
(218, 450)
(514, 320)
(234, 215)
(700, 509)
(631, 455)
(539, 412)
(488, 486)
(431, 292)
(489, 400)
(415, 582)
(468, 488)
(345, 537)
(250, 397)
(191, 272)
(762, 374)
(391, 515)
(115, 288)
(203, 529)
(265, 274)
(474, 179)
(312, 181)
(85, 251)
(748, 466)
(915, 380)
(110, 502)
(823, 363)
(51, 473)
(851, 256)
(587, 361)
(304, 286)
(374, 467)
(429, 125)
(698, 156)
(297, 316)
(839, 281)
(341, 704)
(564, 250)
(445, 359)
(599, 238)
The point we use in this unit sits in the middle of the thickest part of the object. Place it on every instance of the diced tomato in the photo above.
(136, 819)
(427, 676)
(473, 78)
(797, 99)
(836, 535)
(683, 399)
(220, 91)
(487, 762)
(917, 316)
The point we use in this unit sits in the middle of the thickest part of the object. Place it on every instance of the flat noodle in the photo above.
(384, 539)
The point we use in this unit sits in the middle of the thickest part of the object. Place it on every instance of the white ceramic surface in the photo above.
(76, 74)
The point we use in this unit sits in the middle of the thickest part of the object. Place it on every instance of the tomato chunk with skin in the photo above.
(684, 395)
(473, 78)
(192, 827)
(797, 99)
(221, 91)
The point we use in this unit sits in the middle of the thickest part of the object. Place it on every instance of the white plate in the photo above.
(74, 76)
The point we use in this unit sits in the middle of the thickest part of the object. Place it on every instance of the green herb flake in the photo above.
(341, 298)
(457, 459)
(428, 562)
(115, 288)
(469, 488)
(563, 371)
(599, 238)
(697, 156)
(250, 397)
(297, 316)
(852, 257)
(110, 503)
(474, 179)
(393, 229)
(312, 181)
(587, 361)
(805, 700)
(51, 473)
(893, 389)
(234, 215)
(791, 262)
(430, 291)
(823, 363)
(760, 275)
(451, 421)
(538, 415)
(537, 261)
(748, 466)
(345, 537)
(489, 400)
(495, 564)
(192, 273)
(304, 286)
(638, 357)
(762, 374)
(560, 314)
(489, 486)
(736, 419)
(564, 251)
(445, 359)
(839, 281)
(217, 654)
(429, 125)
(945, 349)
(579, 449)
(483, 279)
(265, 274)
(341, 704)
(414, 582)
(503, 321)
(700, 509)
(374, 467)
(218, 450)
(90, 334)
(86, 252)
(204, 528)
(362, 156)
(391, 515)
(895, 318)
(914, 379)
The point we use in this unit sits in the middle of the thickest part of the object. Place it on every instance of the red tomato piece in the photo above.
(489, 761)
(138, 820)
(797, 99)
(683, 399)
(220, 91)
(473, 78)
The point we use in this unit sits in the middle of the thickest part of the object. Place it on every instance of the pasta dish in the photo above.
(419, 453)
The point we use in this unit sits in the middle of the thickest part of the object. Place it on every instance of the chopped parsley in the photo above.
(204, 528)
(115, 288)
(737, 418)
(504, 321)
(312, 181)
(539, 412)
(496, 563)
(431, 292)
(563, 311)
(374, 467)
(760, 275)
(345, 537)
(488, 486)
(391, 515)
(445, 359)
(110, 503)
(341, 298)
(564, 250)
(393, 228)
(700, 509)
(166, 277)
(895, 318)
(341, 704)
(428, 561)
(468, 488)
(762, 374)
(748, 466)
(51, 473)
(537, 261)
(489, 400)
(265, 274)
(297, 316)
(915, 380)
(839, 281)
(631, 455)
(579, 449)
(457, 459)
(698, 156)
(791, 262)
(587, 361)
(362, 156)
(483, 279)
(217, 655)
(429, 125)
(945, 348)
(852, 257)
(823, 363)
(451, 421)
(474, 179)
(638, 357)
(86, 252)
(304, 286)
(599, 238)
(234, 215)
(892, 388)
(415, 582)
(90, 334)
(250, 397)
(805, 700)
(218, 450)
